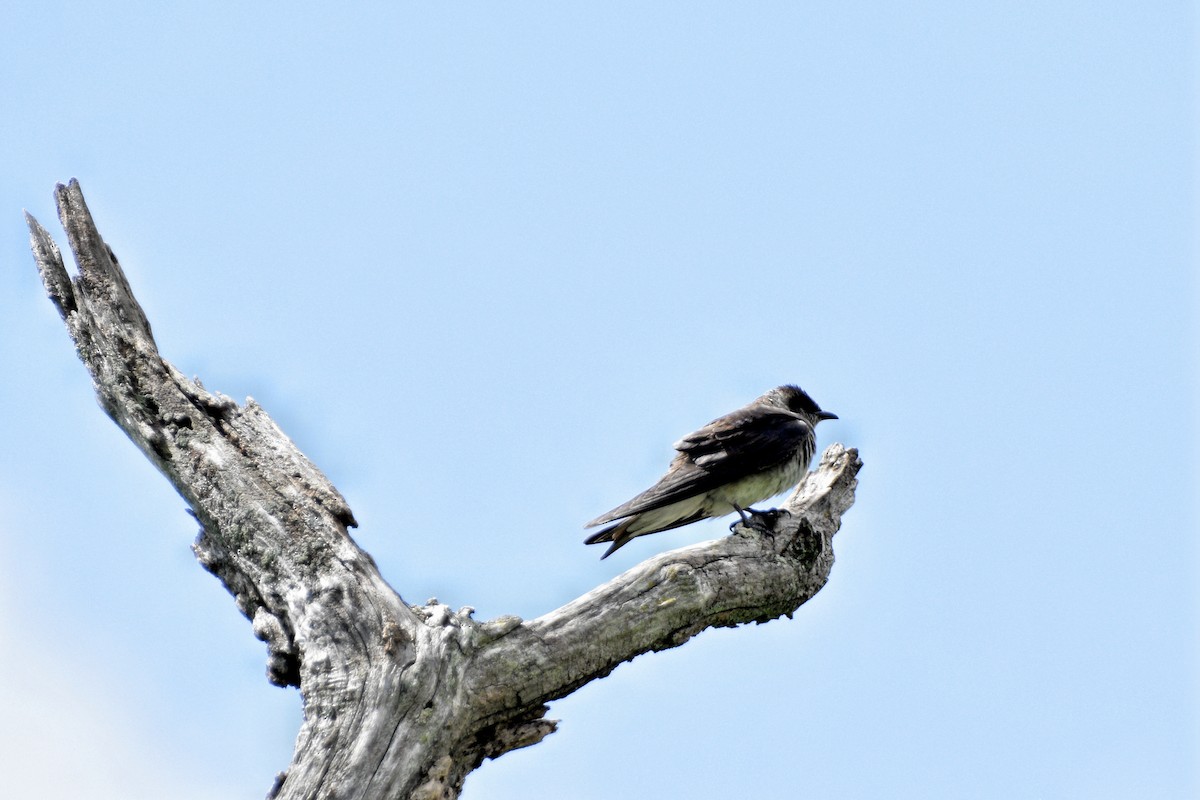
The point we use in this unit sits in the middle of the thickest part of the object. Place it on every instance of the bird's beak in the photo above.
(825, 415)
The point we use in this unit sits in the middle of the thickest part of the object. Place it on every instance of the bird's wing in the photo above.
(739, 444)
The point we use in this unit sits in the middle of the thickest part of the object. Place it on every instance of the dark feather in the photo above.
(617, 533)
(747, 441)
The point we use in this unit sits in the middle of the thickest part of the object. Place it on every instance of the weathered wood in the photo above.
(400, 701)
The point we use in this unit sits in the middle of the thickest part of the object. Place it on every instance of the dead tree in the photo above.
(400, 700)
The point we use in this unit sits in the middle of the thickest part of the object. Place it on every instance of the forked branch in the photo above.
(401, 701)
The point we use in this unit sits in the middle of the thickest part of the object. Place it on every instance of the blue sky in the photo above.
(485, 263)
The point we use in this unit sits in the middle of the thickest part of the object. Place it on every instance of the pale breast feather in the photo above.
(762, 485)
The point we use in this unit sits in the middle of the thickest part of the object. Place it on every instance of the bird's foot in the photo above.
(761, 521)
(746, 516)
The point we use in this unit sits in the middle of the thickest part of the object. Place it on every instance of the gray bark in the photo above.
(400, 700)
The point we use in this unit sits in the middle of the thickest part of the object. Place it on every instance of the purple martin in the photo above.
(728, 465)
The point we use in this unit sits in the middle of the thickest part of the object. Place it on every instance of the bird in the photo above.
(730, 464)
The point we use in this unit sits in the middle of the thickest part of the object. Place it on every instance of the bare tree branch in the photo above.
(401, 701)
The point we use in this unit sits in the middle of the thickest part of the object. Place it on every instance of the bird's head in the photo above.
(796, 400)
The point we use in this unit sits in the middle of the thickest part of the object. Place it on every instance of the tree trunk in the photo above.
(400, 701)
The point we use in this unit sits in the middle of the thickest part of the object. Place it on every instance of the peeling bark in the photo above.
(400, 701)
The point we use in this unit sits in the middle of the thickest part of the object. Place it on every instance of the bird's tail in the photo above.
(617, 534)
